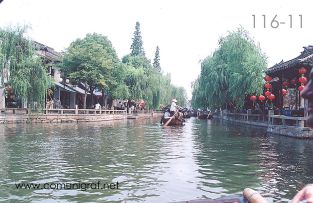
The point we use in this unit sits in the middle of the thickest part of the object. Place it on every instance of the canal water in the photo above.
(140, 161)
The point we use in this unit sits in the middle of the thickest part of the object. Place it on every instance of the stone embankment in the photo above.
(275, 124)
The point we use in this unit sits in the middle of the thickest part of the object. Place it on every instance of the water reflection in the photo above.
(203, 159)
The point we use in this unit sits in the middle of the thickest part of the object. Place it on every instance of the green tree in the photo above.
(90, 61)
(143, 80)
(233, 71)
(156, 61)
(137, 44)
(20, 68)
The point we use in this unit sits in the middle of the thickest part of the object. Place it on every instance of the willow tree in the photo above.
(233, 71)
(20, 68)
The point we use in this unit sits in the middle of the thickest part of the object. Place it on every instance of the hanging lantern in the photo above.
(253, 98)
(268, 85)
(303, 80)
(267, 93)
(271, 97)
(293, 81)
(301, 87)
(261, 98)
(302, 70)
(284, 92)
(285, 83)
(268, 78)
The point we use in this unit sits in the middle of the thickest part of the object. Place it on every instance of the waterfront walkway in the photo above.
(20, 115)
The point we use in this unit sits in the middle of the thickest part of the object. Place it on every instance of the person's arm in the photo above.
(305, 195)
(253, 197)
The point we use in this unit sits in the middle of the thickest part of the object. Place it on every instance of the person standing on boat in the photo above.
(173, 107)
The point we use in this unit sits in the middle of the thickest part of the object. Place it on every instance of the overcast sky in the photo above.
(185, 30)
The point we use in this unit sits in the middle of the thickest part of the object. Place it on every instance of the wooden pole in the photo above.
(169, 120)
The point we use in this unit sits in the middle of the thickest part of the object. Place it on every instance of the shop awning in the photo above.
(64, 87)
(78, 90)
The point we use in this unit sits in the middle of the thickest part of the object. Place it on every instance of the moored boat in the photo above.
(204, 114)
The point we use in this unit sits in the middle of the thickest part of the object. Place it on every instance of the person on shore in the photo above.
(306, 194)
(98, 106)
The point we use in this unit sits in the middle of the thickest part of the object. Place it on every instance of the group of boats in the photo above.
(179, 117)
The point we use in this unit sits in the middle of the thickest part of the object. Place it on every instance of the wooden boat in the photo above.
(177, 120)
(204, 115)
(173, 122)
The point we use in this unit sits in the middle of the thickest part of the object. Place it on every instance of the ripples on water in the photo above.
(203, 159)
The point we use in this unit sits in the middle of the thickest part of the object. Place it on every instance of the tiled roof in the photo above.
(299, 60)
(47, 52)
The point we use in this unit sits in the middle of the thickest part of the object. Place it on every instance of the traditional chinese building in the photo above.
(288, 80)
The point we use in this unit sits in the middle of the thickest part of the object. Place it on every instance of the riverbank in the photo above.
(69, 116)
(275, 124)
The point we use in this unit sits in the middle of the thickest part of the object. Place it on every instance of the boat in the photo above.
(204, 114)
(173, 122)
(178, 120)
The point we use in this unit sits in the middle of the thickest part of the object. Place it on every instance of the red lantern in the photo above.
(284, 92)
(293, 81)
(267, 93)
(261, 98)
(268, 85)
(271, 97)
(285, 83)
(268, 78)
(302, 70)
(253, 98)
(303, 80)
(301, 87)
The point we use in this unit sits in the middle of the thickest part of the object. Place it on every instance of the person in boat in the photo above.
(174, 107)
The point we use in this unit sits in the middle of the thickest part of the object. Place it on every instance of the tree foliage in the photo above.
(20, 68)
(156, 61)
(233, 71)
(137, 44)
(90, 61)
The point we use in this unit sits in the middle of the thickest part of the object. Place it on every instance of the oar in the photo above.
(169, 120)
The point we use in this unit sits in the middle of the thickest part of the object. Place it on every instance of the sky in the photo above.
(186, 31)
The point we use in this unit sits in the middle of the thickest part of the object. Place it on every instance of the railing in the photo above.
(83, 111)
(286, 120)
(268, 119)
(15, 111)
(248, 117)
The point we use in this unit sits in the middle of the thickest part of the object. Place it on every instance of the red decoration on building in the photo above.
(286, 83)
(284, 92)
(303, 80)
(261, 98)
(268, 78)
(253, 98)
(302, 70)
(293, 81)
(301, 87)
(267, 93)
(268, 85)
(271, 97)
